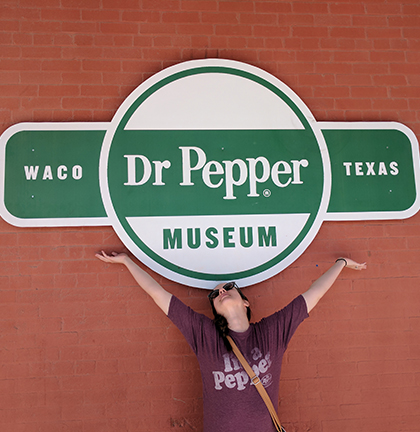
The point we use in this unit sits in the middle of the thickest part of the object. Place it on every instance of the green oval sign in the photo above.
(214, 170)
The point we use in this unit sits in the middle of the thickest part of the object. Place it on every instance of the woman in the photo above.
(231, 404)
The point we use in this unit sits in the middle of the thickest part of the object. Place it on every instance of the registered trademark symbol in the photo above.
(267, 193)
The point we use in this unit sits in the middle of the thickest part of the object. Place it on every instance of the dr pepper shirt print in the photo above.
(230, 402)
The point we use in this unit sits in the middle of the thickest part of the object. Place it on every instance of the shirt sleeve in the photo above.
(192, 325)
(284, 323)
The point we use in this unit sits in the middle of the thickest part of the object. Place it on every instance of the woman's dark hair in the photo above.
(221, 322)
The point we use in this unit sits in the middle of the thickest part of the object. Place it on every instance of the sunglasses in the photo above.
(226, 287)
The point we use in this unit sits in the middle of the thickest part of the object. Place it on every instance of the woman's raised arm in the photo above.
(161, 297)
(324, 283)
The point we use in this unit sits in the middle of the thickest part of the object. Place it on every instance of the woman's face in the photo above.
(227, 300)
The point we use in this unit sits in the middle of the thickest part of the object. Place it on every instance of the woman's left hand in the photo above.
(354, 265)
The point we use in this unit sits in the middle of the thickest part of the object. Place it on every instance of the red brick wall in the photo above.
(81, 347)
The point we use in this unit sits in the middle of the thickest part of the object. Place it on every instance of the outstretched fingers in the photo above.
(114, 258)
(354, 265)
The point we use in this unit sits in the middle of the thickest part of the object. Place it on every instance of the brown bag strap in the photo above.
(258, 385)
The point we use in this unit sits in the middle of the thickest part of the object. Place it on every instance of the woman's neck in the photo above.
(238, 323)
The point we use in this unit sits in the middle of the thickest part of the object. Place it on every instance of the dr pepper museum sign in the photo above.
(211, 170)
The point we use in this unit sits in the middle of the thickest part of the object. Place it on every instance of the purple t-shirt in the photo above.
(230, 401)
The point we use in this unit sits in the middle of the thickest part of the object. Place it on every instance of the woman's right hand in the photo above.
(114, 258)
